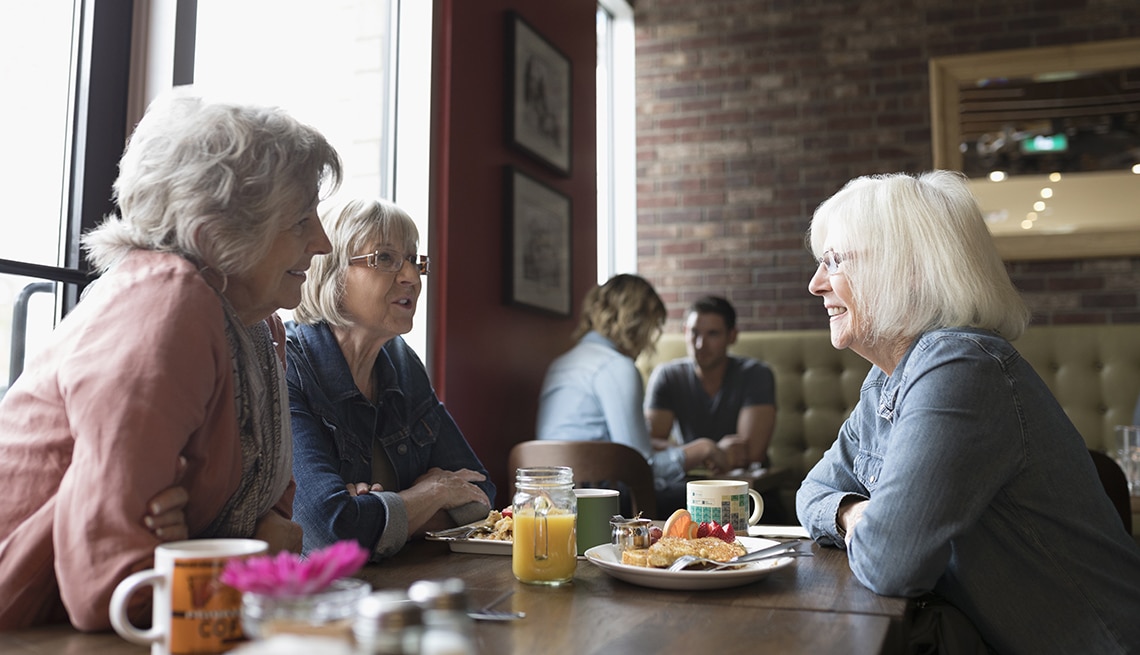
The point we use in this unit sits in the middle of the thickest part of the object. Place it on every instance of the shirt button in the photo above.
(871, 479)
(402, 449)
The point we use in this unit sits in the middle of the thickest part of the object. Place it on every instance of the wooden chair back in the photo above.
(593, 462)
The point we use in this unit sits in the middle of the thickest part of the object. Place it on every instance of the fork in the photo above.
(790, 549)
(485, 613)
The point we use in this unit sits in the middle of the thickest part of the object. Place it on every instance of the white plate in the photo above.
(606, 557)
(478, 546)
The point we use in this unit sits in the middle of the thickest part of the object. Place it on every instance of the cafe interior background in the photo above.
(721, 125)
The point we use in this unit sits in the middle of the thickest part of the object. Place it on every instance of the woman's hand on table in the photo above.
(439, 490)
(454, 488)
(361, 488)
(849, 515)
(166, 516)
(279, 532)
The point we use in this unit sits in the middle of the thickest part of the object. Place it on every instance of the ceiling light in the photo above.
(1046, 193)
(1038, 206)
(1055, 177)
(997, 176)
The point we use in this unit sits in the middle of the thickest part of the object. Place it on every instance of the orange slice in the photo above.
(679, 524)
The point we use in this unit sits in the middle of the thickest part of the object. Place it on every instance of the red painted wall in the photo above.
(488, 358)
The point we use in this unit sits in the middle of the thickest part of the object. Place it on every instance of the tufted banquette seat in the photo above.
(1094, 370)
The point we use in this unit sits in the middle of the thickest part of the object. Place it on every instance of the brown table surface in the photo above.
(814, 605)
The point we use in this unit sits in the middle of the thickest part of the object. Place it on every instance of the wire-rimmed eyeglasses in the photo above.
(391, 261)
(831, 260)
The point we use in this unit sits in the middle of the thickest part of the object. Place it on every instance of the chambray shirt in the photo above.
(983, 492)
(593, 392)
(334, 429)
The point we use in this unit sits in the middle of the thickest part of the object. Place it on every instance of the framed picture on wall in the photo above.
(538, 244)
(538, 90)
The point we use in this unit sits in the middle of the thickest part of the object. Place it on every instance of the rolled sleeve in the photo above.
(394, 534)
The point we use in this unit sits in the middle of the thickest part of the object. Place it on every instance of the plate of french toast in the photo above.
(648, 566)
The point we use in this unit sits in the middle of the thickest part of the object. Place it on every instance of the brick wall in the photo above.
(752, 112)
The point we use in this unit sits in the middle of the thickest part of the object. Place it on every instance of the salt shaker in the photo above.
(388, 623)
(447, 628)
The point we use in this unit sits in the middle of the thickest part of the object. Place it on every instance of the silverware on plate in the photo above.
(790, 549)
(463, 531)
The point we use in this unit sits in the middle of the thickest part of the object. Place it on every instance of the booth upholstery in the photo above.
(1093, 370)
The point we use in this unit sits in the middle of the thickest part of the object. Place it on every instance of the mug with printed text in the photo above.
(723, 501)
(194, 612)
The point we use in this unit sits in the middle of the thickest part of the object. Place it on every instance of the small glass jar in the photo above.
(545, 549)
(328, 613)
(448, 630)
(388, 623)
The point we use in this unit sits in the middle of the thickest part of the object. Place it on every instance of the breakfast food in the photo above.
(681, 536)
(500, 526)
(669, 549)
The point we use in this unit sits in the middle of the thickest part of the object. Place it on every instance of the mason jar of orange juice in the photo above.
(545, 549)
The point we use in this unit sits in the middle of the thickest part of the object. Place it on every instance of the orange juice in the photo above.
(560, 559)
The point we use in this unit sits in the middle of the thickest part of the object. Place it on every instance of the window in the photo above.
(39, 50)
(338, 66)
(617, 167)
(334, 66)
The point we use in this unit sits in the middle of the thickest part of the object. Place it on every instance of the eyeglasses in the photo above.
(391, 261)
(831, 260)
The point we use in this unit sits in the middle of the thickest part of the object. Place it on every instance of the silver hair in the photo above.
(354, 227)
(918, 256)
(214, 182)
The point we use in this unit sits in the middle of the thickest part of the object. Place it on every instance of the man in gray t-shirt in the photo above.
(731, 400)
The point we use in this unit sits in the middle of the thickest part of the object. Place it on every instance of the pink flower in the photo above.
(286, 574)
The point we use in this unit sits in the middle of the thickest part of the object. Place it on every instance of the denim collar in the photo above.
(330, 369)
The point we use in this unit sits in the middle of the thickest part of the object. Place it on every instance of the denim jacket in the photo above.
(983, 492)
(334, 427)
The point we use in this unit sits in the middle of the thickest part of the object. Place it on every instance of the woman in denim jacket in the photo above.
(958, 472)
(376, 455)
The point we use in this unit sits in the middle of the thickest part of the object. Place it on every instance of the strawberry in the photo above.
(703, 530)
(654, 534)
(729, 533)
(716, 530)
(508, 511)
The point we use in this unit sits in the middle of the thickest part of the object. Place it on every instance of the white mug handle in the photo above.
(119, 619)
(759, 510)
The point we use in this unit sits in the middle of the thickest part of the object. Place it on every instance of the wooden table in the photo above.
(814, 605)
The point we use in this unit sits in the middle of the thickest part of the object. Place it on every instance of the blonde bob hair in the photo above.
(355, 227)
(627, 311)
(214, 182)
(917, 256)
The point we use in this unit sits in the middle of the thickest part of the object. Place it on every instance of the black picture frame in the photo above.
(538, 231)
(538, 99)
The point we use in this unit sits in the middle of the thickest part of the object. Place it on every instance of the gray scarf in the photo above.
(266, 447)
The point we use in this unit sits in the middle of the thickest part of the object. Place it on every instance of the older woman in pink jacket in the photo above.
(174, 354)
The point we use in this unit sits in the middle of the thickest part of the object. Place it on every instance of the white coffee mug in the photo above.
(194, 612)
(723, 501)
